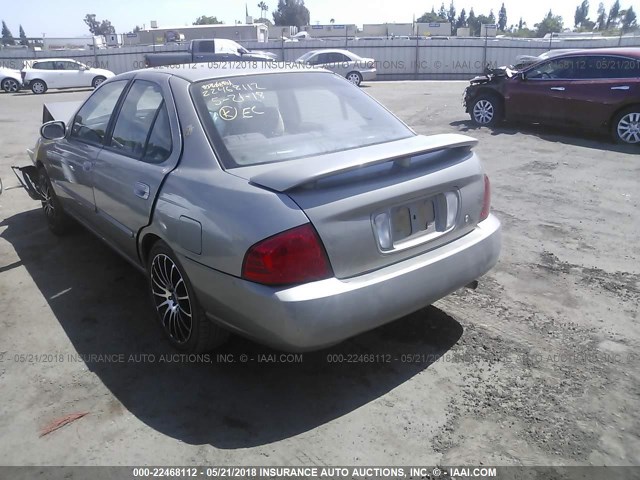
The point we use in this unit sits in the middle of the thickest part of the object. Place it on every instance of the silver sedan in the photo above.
(285, 205)
(343, 62)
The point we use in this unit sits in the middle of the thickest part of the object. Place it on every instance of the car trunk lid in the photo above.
(381, 204)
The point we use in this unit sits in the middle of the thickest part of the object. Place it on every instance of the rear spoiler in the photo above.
(288, 177)
(62, 111)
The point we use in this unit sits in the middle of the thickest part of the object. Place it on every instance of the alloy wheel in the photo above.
(628, 128)
(354, 78)
(38, 87)
(47, 200)
(171, 298)
(483, 112)
(10, 85)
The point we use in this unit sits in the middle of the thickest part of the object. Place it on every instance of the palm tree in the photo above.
(332, 21)
(263, 8)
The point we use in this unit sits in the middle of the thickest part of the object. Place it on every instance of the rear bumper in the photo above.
(369, 75)
(319, 314)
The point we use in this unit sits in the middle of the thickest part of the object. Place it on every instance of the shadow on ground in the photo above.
(564, 135)
(101, 302)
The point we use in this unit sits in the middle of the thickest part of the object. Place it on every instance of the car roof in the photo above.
(203, 71)
(331, 50)
(36, 60)
(626, 51)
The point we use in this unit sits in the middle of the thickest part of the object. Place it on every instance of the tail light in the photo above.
(291, 257)
(486, 200)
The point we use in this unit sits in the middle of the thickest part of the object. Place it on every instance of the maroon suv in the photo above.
(596, 89)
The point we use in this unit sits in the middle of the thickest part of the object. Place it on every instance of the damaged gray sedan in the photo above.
(287, 206)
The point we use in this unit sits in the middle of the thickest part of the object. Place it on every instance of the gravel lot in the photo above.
(538, 366)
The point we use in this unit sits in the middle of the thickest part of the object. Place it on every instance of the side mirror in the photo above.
(84, 68)
(53, 130)
(241, 51)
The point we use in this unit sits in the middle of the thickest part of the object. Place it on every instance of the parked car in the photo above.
(10, 80)
(283, 204)
(343, 62)
(212, 50)
(43, 74)
(597, 89)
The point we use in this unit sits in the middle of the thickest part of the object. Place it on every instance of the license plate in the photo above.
(411, 220)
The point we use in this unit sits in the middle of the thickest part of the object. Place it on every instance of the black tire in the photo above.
(57, 219)
(10, 85)
(97, 81)
(625, 127)
(38, 87)
(354, 77)
(486, 110)
(180, 315)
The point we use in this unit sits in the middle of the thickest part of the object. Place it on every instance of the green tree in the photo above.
(451, 14)
(291, 12)
(550, 24)
(96, 27)
(614, 14)
(264, 8)
(474, 24)
(23, 37)
(7, 37)
(442, 13)
(462, 19)
(491, 18)
(204, 20)
(601, 22)
(629, 21)
(451, 18)
(502, 18)
(521, 24)
(582, 11)
(431, 17)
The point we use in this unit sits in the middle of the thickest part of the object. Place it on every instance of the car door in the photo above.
(538, 94)
(604, 84)
(205, 51)
(65, 77)
(74, 76)
(71, 159)
(141, 149)
(340, 63)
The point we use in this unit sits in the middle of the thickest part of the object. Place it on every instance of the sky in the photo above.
(65, 18)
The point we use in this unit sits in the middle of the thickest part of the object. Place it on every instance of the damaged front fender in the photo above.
(28, 178)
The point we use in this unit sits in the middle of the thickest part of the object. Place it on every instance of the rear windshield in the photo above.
(284, 116)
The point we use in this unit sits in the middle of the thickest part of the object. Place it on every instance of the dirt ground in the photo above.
(539, 366)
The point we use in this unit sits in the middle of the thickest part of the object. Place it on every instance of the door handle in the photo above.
(559, 89)
(622, 87)
(141, 190)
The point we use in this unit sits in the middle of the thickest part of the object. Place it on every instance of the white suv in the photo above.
(40, 75)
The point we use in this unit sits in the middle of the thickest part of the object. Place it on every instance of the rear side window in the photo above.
(205, 46)
(142, 111)
(91, 122)
(43, 66)
(616, 67)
